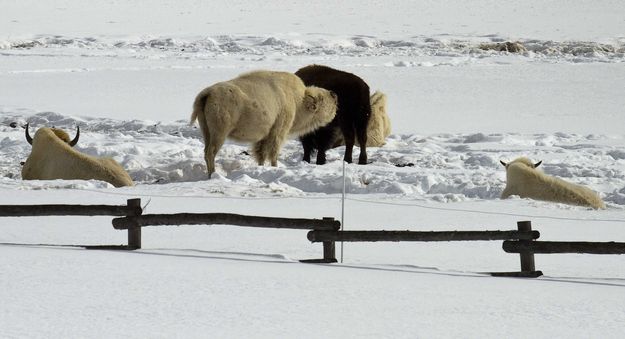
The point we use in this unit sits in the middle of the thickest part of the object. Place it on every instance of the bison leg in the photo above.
(269, 148)
(214, 142)
(362, 140)
(209, 157)
(321, 156)
(278, 134)
(307, 153)
(325, 138)
(307, 144)
(348, 135)
(506, 193)
(259, 152)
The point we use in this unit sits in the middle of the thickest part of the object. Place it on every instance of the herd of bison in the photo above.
(322, 106)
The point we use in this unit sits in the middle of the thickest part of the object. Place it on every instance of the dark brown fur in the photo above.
(352, 115)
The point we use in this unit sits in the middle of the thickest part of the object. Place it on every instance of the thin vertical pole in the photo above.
(343, 209)
(527, 258)
(134, 233)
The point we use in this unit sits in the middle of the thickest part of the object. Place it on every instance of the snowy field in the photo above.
(127, 75)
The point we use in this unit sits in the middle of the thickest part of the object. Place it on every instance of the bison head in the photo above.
(317, 109)
(61, 134)
(320, 101)
(525, 161)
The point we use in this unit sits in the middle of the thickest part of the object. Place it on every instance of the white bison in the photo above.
(53, 157)
(524, 180)
(260, 107)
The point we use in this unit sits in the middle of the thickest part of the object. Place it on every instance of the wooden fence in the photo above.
(522, 241)
(523, 234)
(325, 230)
(136, 222)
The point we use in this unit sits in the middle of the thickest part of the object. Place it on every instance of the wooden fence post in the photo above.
(329, 248)
(134, 233)
(527, 258)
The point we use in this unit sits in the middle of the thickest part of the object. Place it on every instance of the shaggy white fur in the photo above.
(524, 180)
(260, 107)
(379, 124)
(53, 158)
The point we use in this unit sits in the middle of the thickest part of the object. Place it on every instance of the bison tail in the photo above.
(198, 107)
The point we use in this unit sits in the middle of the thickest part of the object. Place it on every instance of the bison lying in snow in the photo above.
(525, 181)
(352, 115)
(261, 107)
(379, 126)
(53, 157)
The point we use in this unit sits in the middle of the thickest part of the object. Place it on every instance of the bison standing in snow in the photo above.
(352, 115)
(524, 180)
(261, 107)
(53, 157)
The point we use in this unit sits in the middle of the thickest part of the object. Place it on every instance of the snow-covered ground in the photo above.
(127, 75)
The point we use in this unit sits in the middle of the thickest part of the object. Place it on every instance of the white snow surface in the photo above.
(127, 74)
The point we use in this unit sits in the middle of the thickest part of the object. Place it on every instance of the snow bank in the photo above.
(207, 47)
(447, 167)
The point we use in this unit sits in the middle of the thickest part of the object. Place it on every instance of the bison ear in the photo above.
(503, 163)
(310, 102)
(538, 164)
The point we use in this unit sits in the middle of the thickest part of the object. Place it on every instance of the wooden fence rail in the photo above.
(358, 236)
(550, 247)
(59, 210)
(224, 219)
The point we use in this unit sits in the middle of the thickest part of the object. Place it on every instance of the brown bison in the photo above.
(52, 157)
(352, 115)
(261, 107)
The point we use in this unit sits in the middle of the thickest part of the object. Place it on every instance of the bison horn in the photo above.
(538, 164)
(28, 137)
(503, 163)
(75, 140)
